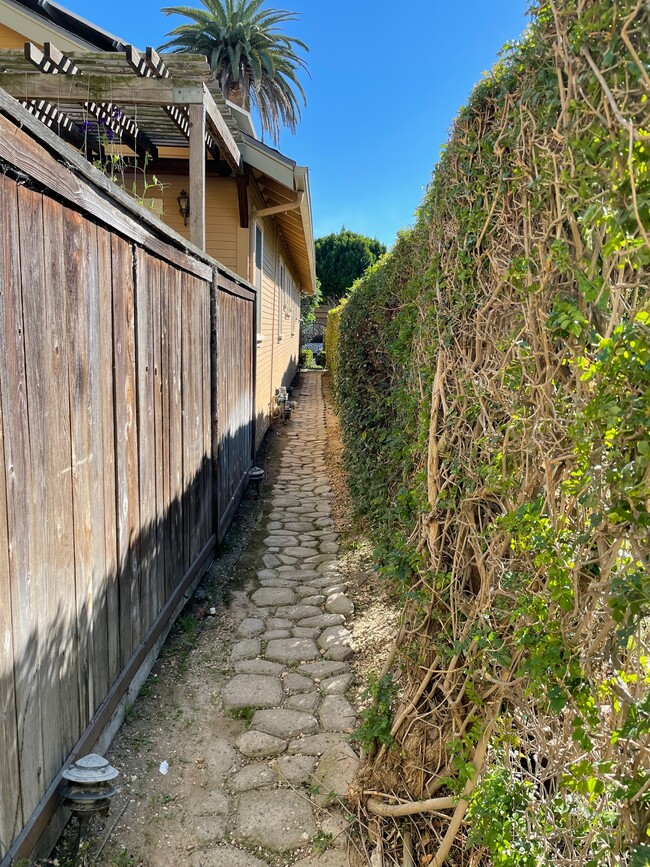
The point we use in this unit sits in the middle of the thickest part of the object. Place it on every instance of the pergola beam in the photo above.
(51, 116)
(223, 136)
(197, 175)
(103, 88)
(125, 127)
(50, 60)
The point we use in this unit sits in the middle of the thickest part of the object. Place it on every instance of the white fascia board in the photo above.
(271, 166)
(35, 29)
(243, 118)
(302, 183)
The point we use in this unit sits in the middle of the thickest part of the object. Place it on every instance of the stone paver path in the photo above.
(291, 667)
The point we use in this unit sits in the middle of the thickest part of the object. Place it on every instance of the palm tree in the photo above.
(254, 63)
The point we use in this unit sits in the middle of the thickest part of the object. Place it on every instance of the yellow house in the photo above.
(242, 202)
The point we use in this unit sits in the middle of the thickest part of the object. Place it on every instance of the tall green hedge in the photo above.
(493, 384)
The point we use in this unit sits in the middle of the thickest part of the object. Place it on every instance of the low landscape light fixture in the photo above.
(183, 200)
(257, 476)
(87, 788)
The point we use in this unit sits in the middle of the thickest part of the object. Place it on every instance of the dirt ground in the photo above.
(178, 717)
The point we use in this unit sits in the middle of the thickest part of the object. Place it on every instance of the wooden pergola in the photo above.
(147, 101)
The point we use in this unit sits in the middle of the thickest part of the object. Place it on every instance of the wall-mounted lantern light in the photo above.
(183, 200)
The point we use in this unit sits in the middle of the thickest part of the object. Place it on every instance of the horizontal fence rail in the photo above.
(126, 436)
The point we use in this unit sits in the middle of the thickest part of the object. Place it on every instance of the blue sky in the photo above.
(387, 79)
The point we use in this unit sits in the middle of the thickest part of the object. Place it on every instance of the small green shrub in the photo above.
(306, 359)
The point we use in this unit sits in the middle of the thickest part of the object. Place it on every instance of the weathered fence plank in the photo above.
(10, 797)
(62, 727)
(144, 290)
(31, 599)
(126, 454)
(107, 421)
(158, 586)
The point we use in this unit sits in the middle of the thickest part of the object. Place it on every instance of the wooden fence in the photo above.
(126, 435)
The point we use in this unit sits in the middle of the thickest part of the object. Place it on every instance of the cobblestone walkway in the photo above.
(291, 669)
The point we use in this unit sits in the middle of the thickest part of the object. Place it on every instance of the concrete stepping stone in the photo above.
(220, 757)
(339, 603)
(322, 621)
(307, 702)
(260, 745)
(278, 623)
(305, 632)
(300, 552)
(276, 582)
(251, 627)
(289, 650)
(293, 682)
(270, 561)
(335, 773)
(281, 820)
(295, 769)
(274, 596)
(309, 576)
(299, 526)
(322, 669)
(284, 723)
(285, 502)
(256, 776)
(246, 649)
(340, 652)
(252, 690)
(335, 635)
(329, 547)
(336, 714)
(315, 745)
(258, 666)
(337, 685)
(280, 541)
(298, 612)
(317, 599)
(276, 633)
(334, 588)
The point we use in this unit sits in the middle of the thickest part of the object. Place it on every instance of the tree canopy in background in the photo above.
(343, 257)
(253, 61)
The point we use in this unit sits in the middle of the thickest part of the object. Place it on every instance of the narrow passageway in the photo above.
(292, 661)
(254, 721)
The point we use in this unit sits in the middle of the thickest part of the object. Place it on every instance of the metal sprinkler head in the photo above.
(86, 786)
(257, 475)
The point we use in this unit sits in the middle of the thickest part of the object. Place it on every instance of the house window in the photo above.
(294, 306)
(281, 300)
(259, 270)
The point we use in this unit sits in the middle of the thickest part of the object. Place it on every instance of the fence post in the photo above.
(214, 398)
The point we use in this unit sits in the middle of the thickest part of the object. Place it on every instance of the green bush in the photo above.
(306, 359)
(493, 381)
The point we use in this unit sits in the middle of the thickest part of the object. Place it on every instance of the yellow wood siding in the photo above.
(10, 38)
(277, 356)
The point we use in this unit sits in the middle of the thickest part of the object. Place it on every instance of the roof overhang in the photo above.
(44, 21)
(283, 183)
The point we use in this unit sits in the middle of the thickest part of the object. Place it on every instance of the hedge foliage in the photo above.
(493, 382)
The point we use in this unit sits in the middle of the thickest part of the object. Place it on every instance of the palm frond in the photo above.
(248, 54)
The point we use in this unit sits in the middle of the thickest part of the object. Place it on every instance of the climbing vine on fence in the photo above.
(493, 380)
